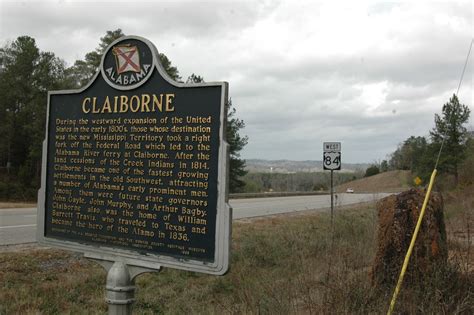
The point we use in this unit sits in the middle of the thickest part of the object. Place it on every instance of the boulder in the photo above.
(397, 218)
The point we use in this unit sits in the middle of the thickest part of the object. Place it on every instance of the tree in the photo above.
(384, 166)
(83, 70)
(410, 154)
(236, 144)
(449, 126)
(25, 77)
(193, 78)
(372, 170)
(235, 140)
(172, 71)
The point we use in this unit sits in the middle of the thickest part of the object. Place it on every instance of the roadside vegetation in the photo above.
(419, 154)
(279, 265)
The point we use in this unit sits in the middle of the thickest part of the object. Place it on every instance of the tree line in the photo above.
(26, 76)
(419, 154)
(295, 182)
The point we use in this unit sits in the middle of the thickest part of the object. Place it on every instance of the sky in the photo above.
(369, 74)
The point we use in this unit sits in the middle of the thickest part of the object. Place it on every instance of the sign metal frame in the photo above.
(152, 261)
(332, 151)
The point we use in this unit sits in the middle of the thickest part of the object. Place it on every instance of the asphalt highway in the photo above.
(18, 226)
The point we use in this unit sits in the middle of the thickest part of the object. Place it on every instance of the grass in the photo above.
(460, 226)
(280, 265)
(391, 181)
(49, 282)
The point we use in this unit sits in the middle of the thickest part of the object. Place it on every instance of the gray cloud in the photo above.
(300, 73)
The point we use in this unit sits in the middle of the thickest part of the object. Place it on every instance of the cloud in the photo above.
(367, 73)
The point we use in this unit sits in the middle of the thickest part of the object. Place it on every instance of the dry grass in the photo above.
(49, 282)
(280, 265)
(9, 205)
(392, 181)
(460, 226)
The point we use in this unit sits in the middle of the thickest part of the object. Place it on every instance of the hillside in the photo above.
(392, 181)
(288, 166)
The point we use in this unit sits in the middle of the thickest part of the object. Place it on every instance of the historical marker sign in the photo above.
(135, 166)
(332, 155)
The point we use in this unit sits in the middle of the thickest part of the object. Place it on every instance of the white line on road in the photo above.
(16, 226)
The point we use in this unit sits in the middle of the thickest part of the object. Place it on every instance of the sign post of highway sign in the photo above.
(332, 162)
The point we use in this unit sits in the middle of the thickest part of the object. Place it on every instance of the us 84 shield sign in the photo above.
(332, 160)
(332, 156)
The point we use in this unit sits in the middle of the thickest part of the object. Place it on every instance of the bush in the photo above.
(12, 190)
(372, 170)
(251, 187)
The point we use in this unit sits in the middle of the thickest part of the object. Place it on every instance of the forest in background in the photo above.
(27, 74)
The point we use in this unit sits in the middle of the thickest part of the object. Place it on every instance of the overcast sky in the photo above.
(366, 73)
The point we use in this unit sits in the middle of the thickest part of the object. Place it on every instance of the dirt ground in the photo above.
(9, 205)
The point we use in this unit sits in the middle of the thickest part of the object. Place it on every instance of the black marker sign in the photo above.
(135, 166)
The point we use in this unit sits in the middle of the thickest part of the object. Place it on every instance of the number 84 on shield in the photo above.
(332, 160)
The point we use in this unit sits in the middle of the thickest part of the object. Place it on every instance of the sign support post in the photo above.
(332, 162)
(120, 288)
(332, 197)
(120, 283)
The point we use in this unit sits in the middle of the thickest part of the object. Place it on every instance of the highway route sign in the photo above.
(332, 156)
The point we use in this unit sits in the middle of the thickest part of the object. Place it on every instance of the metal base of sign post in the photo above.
(120, 285)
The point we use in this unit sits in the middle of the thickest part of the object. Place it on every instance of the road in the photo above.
(18, 226)
(255, 207)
